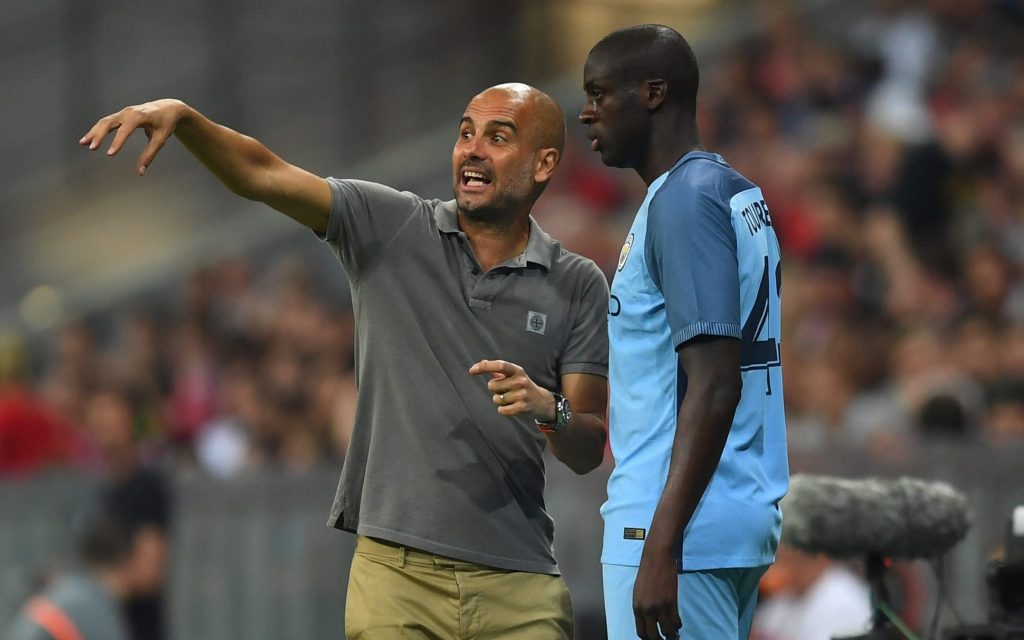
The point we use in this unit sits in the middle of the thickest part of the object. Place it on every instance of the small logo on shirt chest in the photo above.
(626, 246)
(536, 322)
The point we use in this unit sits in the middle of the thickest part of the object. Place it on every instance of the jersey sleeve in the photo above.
(365, 217)
(690, 251)
(587, 348)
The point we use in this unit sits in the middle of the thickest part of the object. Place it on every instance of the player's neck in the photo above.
(497, 241)
(668, 144)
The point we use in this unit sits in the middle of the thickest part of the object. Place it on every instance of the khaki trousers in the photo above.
(397, 592)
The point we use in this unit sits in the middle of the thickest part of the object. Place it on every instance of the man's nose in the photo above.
(473, 148)
(587, 114)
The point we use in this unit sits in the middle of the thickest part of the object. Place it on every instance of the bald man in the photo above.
(443, 480)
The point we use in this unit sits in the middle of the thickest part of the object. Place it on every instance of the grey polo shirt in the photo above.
(431, 463)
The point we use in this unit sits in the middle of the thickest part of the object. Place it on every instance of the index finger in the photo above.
(95, 135)
(494, 366)
(124, 129)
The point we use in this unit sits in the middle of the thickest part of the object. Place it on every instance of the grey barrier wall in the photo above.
(253, 558)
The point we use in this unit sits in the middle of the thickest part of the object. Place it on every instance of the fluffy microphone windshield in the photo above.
(904, 518)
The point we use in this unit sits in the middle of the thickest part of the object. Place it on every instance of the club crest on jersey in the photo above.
(536, 322)
(625, 251)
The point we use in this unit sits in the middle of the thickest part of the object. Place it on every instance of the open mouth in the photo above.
(472, 178)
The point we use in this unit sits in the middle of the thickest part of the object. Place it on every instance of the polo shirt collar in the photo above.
(447, 216)
(540, 248)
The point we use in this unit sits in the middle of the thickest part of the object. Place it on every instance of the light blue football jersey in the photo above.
(701, 258)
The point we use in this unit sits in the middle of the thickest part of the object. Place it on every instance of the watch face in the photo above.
(564, 413)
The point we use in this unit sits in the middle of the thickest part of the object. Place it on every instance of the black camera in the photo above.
(1005, 580)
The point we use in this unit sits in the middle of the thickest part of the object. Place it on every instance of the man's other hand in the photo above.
(655, 598)
(514, 393)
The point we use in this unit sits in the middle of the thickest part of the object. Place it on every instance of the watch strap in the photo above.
(562, 416)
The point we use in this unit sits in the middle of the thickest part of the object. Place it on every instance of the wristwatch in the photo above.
(563, 414)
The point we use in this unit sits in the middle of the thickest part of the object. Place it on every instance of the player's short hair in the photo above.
(649, 51)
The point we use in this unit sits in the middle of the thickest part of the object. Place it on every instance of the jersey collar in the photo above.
(695, 155)
(541, 249)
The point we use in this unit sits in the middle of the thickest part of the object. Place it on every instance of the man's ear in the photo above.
(654, 93)
(545, 161)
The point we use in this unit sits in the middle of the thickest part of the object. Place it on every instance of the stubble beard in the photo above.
(503, 209)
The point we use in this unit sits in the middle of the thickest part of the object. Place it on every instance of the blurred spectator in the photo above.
(33, 437)
(810, 597)
(85, 605)
(137, 495)
(332, 408)
(193, 394)
(224, 445)
(1011, 356)
(942, 415)
(901, 35)
(976, 349)
(142, 362)
(987, 283)
(74, 369)
(1005, 420)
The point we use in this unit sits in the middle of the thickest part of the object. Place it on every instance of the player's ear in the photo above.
(654, 93)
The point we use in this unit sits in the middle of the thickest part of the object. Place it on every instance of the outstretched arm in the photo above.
(580, 446)
(242, 163)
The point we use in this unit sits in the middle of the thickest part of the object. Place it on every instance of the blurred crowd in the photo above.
(891, 155)
(890, 150)
(241, 373)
